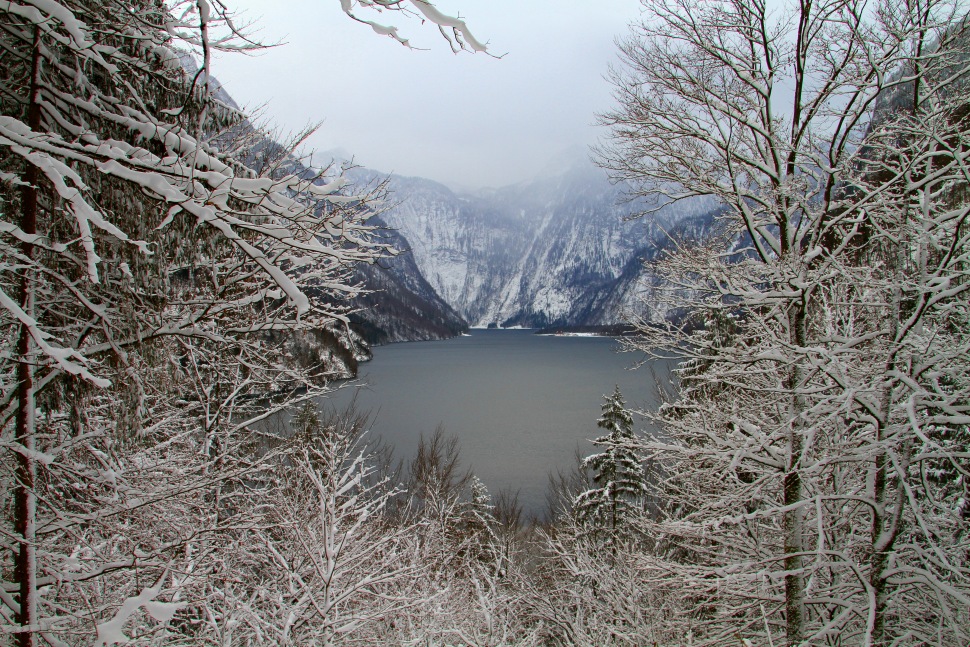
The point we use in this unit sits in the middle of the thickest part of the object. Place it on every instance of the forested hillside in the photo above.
(393, 302)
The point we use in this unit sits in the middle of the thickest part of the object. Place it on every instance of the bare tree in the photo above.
(808, 303)
(338, 564)
(142, 265)
(591, 596)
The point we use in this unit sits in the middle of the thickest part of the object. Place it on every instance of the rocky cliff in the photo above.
(558, 250)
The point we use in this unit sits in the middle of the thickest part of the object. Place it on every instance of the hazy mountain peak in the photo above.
(568, 160)
(336, 156)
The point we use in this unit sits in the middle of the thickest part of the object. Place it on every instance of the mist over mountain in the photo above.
(396, 304)
(559, 250)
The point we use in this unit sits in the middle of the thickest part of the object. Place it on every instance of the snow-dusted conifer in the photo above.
(478, 516)
(617, 472)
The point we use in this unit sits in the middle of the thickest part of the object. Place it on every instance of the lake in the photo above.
(519, 403)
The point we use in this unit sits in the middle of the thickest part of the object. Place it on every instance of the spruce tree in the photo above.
(617, 474)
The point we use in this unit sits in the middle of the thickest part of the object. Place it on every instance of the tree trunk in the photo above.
(886, 523)
(886, 526)
(792, 492)
(25, 501)
(880, 555)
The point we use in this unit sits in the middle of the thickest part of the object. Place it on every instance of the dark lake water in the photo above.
(519, 403)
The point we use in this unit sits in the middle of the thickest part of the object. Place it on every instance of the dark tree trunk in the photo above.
(793, 494)
(25, 502)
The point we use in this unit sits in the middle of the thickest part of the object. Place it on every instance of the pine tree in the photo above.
(478, 511)
(617, 474)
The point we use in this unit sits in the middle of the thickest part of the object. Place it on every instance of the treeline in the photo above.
(615, 330)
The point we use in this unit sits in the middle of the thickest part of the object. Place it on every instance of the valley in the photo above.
(560, 250)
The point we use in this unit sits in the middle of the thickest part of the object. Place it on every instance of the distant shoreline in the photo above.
(618, 330)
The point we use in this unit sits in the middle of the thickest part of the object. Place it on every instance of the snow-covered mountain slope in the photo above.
(400, 305)
(547, 252)
(397, 303)
(640, 292)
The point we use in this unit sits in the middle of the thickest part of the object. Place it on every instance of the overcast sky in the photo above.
(465, 120)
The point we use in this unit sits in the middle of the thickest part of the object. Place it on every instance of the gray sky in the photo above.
(465, 120)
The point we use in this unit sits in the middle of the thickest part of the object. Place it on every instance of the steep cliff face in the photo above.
(559, 250)
(640, 292)
(396, 304)
(400, 305)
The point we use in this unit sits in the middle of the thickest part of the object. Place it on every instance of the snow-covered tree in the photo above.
(824, 344)
(452, 28)
(617, 474)
(587, 596)
(908, 393)
(142, 270)
(338, 566)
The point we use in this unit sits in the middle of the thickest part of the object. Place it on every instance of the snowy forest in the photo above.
(173, 298)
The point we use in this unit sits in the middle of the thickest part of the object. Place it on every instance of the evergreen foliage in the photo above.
(617, 473)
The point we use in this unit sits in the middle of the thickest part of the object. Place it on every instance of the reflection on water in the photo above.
(519, 403)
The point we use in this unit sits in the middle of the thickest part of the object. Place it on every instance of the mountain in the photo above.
(558, 250)
(399, 304)
(639, 290)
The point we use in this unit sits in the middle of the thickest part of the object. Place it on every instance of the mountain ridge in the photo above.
(539, 253)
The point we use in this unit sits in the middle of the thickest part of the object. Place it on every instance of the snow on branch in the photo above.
(452, 28)
(112, 631)
(67, 359)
